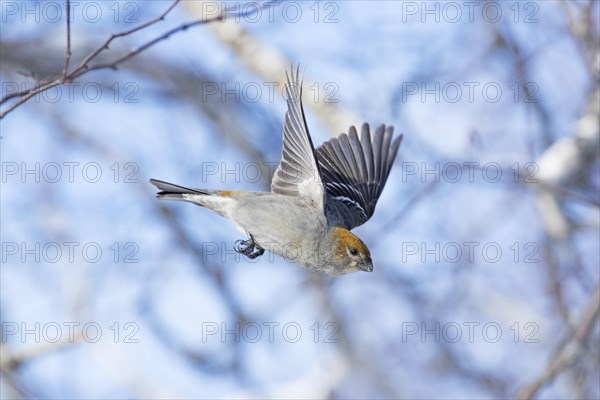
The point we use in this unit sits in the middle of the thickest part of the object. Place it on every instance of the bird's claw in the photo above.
(249, 248)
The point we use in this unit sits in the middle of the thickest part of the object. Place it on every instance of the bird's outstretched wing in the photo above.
(298, 172)
(354, 173)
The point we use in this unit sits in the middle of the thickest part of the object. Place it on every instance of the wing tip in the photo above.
(293, 74)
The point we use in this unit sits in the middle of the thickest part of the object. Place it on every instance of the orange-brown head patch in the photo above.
(347, 239)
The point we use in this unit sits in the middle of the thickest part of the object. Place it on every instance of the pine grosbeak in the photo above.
(316, 197)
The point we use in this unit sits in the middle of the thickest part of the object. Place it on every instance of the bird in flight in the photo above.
(317, 196)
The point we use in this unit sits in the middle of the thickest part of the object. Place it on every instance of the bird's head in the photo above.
(350, 253)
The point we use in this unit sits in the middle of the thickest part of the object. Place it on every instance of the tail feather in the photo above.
(171, 191)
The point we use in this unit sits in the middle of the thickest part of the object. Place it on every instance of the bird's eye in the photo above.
(353, 251)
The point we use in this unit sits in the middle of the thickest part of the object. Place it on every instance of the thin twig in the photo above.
(68, 55)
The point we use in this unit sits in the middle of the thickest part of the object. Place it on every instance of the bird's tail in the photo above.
(171, 191)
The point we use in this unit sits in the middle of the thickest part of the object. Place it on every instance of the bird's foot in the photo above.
(249, 248)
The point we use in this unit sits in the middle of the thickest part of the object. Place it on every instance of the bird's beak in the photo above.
(366, 265)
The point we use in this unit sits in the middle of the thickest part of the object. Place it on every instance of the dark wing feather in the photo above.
(354, 172)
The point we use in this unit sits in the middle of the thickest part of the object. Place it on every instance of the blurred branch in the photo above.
(11, 360)
(569, 351)
(567, 158)
(585, 33)
(271, 64)
(564, 161)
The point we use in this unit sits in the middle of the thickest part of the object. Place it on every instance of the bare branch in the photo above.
(84, 66)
